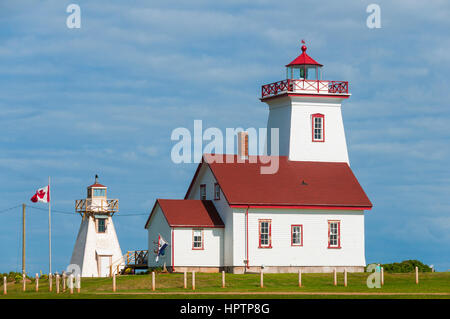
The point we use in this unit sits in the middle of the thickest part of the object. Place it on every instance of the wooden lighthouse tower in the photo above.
(97, 251)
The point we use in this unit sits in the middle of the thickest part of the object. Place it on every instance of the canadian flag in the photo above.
(42, 195)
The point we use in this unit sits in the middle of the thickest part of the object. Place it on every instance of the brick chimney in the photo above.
(243, 145)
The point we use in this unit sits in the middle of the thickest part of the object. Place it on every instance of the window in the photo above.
(101, 225)
(202, 191)
(216, 191)
(197, 239)
(334, 234)
(296, 235)
(265, 233)
(318, 124)
(99, 192)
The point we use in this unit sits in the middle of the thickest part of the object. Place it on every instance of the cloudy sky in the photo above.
(104, 99)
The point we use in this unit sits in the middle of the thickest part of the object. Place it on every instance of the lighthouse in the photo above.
(307, 111)
(97, 251)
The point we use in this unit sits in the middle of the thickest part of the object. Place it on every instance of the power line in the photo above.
(8, 209)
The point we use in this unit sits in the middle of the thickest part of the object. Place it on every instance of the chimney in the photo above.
(243, 145)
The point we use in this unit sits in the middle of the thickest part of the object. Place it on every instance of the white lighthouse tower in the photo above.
(307, 111)
(97, 251)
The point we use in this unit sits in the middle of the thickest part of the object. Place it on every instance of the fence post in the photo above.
(37, 282)
(185, 280)
(23, 282)
(64, 276)
(382, 276)
(50, 282)
(345, 277)
(153, 281)
(417, 275)
(334, 277)
(57, 283)
(5, 283)
(71, 283)
(78, 283)
(300, 278)
(114, 282)
(223, 279)
(261, 278)
(193, 280)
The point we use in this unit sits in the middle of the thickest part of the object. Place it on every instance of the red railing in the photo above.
(335, 87)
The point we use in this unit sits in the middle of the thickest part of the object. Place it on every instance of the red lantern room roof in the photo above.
(304, 59)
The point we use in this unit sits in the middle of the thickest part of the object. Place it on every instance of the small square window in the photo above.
(297, 235)
(101, 225)
(197, 239)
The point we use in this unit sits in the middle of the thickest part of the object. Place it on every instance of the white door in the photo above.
(104, 266)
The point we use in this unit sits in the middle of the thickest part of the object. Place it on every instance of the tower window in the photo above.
(334, 234)
(99, 192)
(101, 225)
(203, 191)
(318, 125)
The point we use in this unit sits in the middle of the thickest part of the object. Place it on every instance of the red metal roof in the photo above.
(96, 185)
(189, 213)
(303, 184)
(304, 59)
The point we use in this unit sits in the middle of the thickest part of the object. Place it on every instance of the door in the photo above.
(104, 265)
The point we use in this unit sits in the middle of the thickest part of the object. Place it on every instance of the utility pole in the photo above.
(23, 238)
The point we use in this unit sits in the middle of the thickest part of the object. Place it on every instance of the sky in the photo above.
(104, 99)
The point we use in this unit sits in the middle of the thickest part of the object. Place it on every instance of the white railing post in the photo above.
(5, 286)
(37, 282)
(223, 279)
(300, 278)
(334, 277)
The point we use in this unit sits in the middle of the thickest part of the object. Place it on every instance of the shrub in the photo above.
(406, 266)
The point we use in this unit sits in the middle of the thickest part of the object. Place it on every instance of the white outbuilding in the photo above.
(308, 214)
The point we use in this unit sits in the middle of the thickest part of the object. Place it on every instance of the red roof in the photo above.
(96, 185)
(304, 59)
(189, 213)
(305, 184)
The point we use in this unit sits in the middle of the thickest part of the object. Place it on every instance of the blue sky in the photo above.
(105, 98)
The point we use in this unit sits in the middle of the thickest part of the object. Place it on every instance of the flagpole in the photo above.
(49, 229)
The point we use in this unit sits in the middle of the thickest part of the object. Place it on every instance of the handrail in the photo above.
(294, 85)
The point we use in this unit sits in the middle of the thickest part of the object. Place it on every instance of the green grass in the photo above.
(139, 286)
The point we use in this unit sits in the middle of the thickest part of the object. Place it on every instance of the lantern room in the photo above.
(96, 190)
(304, 67)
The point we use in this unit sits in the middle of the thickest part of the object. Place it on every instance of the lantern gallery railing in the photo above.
(304, 86)
(97, 205)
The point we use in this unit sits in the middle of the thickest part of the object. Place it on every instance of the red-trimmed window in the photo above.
(197, 239)
(334, 234)
(216, 191)
(318, 127)
(203, 191)
(296, 235)
(265, 233)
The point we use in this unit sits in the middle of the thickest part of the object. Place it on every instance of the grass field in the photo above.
(431, 285)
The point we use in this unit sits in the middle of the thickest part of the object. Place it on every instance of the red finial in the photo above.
(303, 46)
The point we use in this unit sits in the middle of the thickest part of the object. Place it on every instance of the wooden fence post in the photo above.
(114, 282)
(261, 278)
(64, 276)
(5, 284)
(71, 283)
(57, 283)
(185, 280)
(23, 282)
(382, 276)
(417, 275)
(78, 283)
(300, 278)
(50, 282)
(334, 277)
(345, 277)
(153, 281)
(37, 282)
(223, 279)
(193, 280)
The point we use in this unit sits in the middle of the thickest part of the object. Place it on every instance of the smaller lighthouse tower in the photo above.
(97, 251)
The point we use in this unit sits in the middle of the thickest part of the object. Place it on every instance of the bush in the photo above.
(406, 266)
